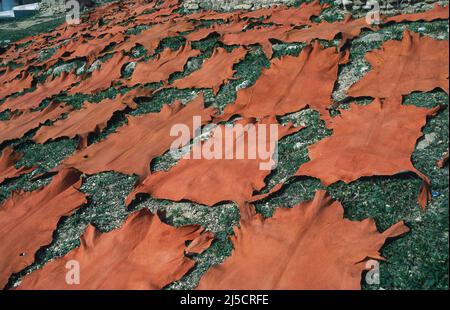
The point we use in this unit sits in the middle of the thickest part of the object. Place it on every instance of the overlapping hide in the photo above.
(291, 84)
(16, 86)
(9, 74)
(131, 149)
(103, 77)
(157, 16)
(92, 117)
(160, 68)
(258, 35)
(150, 38)
(21, 123)
(8, 161)
(31, 100)
(28, 220)
(89, 49)
(215, 71)
(348, 29)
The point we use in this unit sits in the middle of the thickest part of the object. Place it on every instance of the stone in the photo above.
(129, 68)
(64, 68)
(427, 140)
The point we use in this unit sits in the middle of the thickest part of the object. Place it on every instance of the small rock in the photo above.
(243, 6)
(372, 37)
(81, 70)
(97, 64)
(136, 52)
(426, 141)
(364, 69)
(194, 64)
(191, 6)
(244, 84)
(63, 68)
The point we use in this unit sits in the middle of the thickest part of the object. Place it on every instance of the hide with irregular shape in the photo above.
(362, 144)
(310, 246)
(143, 254)
(291, 84)
(133, 146)
(21, 123)
(400, 67)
